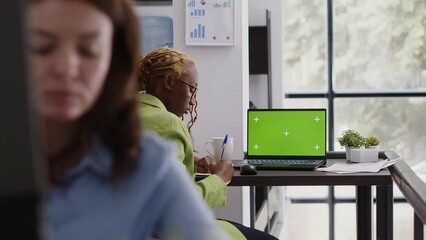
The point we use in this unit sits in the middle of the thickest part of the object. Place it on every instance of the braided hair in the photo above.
(160, 64)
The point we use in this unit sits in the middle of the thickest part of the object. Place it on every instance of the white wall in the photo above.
(222, 97)
(224, 84)
(207, 63)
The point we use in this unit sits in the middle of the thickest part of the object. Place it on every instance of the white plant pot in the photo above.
(364, 155)
(348, 153)
(373, 147)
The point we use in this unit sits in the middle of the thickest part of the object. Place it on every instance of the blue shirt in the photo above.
(157, 199)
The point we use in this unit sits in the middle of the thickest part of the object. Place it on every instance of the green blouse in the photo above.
(212, 188)
(156, 117)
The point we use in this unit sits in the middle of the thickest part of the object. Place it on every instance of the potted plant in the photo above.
(372, 142)
(358, 148)
(351, 139)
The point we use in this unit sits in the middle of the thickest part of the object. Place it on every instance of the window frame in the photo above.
(330, 95)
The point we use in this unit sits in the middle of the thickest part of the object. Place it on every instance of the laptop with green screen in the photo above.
(286, 138)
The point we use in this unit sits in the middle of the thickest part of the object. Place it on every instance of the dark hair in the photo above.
(114, 117)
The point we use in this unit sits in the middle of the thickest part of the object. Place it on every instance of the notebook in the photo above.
(286, 138)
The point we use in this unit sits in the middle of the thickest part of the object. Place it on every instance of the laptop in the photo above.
(285, 139)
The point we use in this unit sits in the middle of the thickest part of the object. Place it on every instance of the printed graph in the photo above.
(210, 22)
(198, 12)
(227, 3)
(199, 32)
(191, 3)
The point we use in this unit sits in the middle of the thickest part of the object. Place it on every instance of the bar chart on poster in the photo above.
(210, 22)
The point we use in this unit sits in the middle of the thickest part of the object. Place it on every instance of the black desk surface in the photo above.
(362, 181)
(308, 178)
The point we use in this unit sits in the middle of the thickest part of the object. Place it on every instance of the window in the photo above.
(366, 62)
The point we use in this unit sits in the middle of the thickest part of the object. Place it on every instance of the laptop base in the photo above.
(273, 164)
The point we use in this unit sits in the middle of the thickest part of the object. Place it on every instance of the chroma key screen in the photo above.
(286, 132)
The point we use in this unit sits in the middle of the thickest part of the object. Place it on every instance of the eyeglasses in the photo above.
(192, 88)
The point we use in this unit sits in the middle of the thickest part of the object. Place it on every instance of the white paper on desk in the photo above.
(203, 174)
(355, 167)
(391, 162)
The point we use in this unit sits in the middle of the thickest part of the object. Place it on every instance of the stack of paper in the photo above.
(349, 167)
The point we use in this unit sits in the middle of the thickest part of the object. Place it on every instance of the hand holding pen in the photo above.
(223, 168)
(225, 140)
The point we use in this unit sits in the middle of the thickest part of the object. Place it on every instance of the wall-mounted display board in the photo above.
(210, 22)
(154, 2)
(156, 31)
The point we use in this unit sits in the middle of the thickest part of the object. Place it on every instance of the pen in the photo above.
(225, 140)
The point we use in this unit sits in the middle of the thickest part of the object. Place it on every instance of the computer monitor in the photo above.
(20, 186)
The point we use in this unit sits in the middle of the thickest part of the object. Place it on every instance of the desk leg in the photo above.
(252, 206)
(384, 212)
(418, 228)
(363, 212)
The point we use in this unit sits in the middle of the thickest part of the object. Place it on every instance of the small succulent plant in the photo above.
(372, 141)
(351, 138)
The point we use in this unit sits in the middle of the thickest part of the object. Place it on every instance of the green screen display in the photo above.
(286, 132)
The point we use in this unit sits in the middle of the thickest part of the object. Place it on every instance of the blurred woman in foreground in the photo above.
(106, 178)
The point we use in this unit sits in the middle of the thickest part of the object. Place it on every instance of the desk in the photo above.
(363, 182)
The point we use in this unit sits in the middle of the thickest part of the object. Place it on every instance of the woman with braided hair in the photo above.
(175, 64)
(168, 81)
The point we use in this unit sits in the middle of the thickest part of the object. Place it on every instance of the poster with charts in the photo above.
(210, 22)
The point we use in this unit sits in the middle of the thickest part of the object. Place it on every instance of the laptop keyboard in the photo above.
(284, 164)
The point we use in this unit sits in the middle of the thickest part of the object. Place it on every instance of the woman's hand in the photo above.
(223, 169)
(203, 164)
